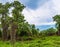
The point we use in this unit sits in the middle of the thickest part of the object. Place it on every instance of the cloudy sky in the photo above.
(40, 12)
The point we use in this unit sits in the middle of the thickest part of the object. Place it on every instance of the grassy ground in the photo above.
(51, 41)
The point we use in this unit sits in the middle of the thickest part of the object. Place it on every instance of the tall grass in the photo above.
(50, 41)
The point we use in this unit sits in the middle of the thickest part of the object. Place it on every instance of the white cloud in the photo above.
(42, 15)
(56, 6)
(47, 23)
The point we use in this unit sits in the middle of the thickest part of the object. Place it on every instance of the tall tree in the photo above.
(4, 10)
(57, 19)
(17, 18)
(25, 29)
(34, 30)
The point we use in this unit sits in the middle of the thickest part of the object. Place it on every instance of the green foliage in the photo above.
(57, 19)
(4, 10)
(24, 29)
(48, 32)
(17, 22)
(17, 27)
(35, 32)
(21, 27)
(50, 41)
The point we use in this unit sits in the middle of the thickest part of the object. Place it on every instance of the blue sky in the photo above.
(40, 12)
(33, 4)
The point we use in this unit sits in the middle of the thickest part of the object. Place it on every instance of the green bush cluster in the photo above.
(48, 32)
(49, 41)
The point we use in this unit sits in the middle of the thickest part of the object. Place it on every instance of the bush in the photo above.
(48, 32)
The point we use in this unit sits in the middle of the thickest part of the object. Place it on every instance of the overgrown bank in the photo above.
(50, 41)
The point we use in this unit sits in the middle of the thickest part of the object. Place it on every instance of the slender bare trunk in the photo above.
(59, 30)
(13, 33)
(4, 28)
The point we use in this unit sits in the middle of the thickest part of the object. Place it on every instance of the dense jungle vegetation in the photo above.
(15, 31)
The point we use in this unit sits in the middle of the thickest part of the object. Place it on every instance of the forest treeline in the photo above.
(16, 28)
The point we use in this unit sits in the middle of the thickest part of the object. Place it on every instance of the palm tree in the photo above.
(57, 19)
(4, 12)
(17, 18)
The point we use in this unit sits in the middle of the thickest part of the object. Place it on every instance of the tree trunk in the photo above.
(4, 29)
(59, 30)
(13, 33)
